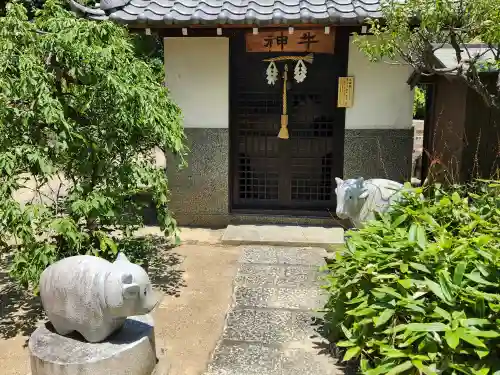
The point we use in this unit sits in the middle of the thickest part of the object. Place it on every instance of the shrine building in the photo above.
(277, 102)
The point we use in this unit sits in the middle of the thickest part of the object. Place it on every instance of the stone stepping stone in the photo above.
(271, 328)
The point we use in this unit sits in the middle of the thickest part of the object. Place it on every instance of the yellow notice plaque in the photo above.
(346, 92)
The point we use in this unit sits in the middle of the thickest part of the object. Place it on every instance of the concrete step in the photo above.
(284, 235)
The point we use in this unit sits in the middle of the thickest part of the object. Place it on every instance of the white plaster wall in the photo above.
(382, 98)
(197, 75)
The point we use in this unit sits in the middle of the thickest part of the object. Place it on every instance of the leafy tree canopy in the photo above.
(411, 31)
(77, 104)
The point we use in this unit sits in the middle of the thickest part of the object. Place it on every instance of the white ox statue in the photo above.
(358, 200)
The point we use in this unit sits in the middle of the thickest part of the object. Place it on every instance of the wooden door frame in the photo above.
(342, 43)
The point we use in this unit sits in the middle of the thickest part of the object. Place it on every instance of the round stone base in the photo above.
(130, 351)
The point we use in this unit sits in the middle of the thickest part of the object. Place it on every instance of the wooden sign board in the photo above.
(312, 40)
(346, 92)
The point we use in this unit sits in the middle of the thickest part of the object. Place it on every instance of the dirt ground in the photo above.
(197, 281)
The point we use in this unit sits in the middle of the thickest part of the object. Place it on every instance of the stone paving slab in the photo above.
(280, 298)
(259, 359)
(286, 235)
(271, 327)
(262, 275)
(281, 255)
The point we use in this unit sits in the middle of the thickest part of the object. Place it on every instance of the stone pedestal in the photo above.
(130, 351)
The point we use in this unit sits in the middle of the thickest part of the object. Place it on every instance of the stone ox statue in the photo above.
(94, 297)
(358, 200)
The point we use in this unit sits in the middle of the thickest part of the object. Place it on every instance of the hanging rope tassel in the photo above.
(283, 133)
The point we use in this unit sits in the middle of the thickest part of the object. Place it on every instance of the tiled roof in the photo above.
(258, 12)
(447, 56)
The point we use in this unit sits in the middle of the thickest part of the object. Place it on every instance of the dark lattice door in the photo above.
(272, 173)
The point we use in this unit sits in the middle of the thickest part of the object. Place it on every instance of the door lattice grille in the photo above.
(270, 172)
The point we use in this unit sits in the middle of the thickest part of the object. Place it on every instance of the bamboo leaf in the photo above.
(466, 336)
(413, 337)
(485, 255)
(401, 368)
(443, 313)
(436, 289)
(382, 369)
(487, 334)
(474, 322)
(394, 353)
(347, 332)
(482, 270)
(427, 327)
(352, 353)
(345, 344)
(419, 267)
(481, 353)
(405, 283)
(412, 233)
(458, 275)
(364, 364)
(362, 312)
(455, 197)
(445, 284)
(383, 318)
(395, 329)
(423, 369)
(476, 277)
(399, 220)
(413, 307)
(483, 371)
(390, 291)
(452, 338)
(421, 237)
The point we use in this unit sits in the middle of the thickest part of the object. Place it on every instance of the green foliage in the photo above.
(150, 49)
(419, 103)
(411, 31)
(77, 104)
(418, 291)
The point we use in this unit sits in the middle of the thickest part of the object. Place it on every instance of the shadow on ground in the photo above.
(324, 346)
(164, 268)
(21, 312)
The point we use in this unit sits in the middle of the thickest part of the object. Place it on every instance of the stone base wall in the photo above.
(200, 192)
(378, 153)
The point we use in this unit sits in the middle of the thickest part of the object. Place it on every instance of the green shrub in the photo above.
(418, 290)
(419, 103)
(80, 104)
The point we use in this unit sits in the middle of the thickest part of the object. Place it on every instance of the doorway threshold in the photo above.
(284, 235)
